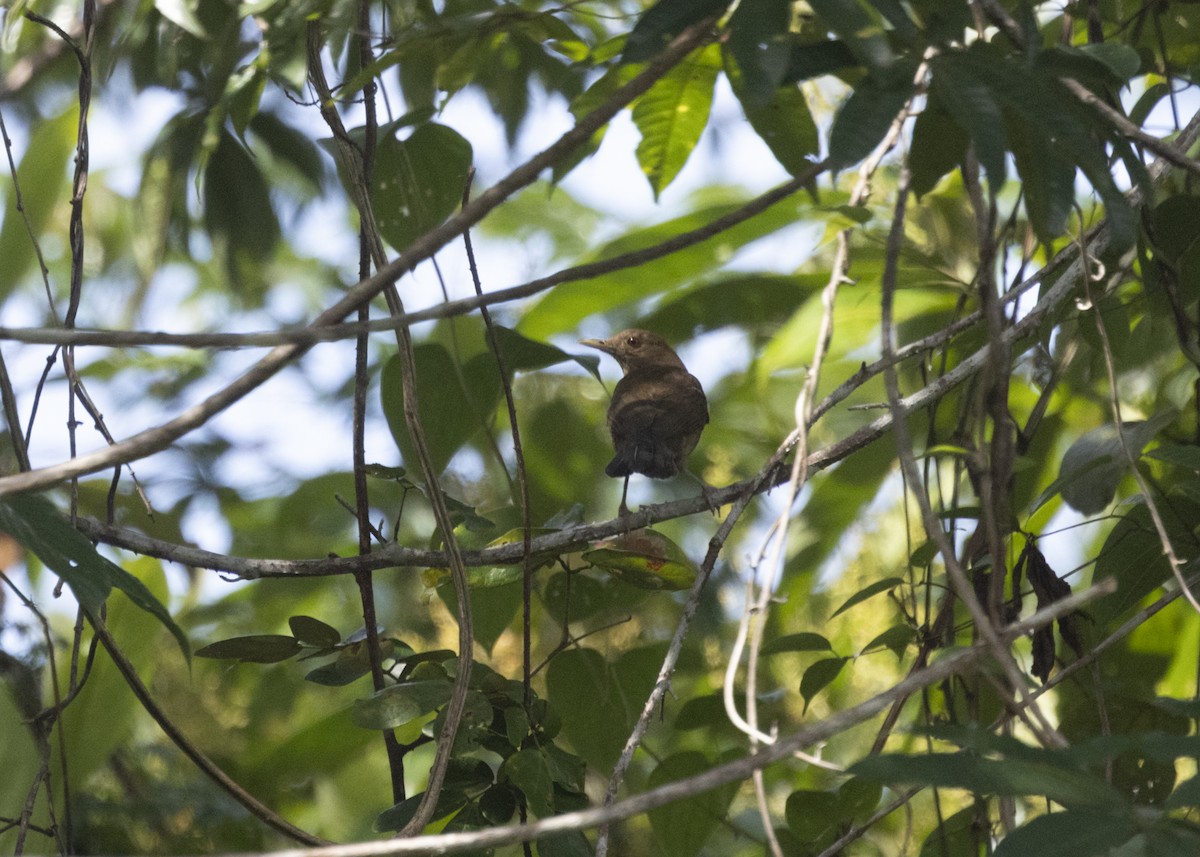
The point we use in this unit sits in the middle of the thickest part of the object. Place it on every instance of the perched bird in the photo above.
(658, 408)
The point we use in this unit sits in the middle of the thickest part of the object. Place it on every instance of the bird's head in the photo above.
(637, 349)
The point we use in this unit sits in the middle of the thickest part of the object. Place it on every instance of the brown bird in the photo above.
(658, 409)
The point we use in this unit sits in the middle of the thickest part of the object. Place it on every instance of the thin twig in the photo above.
(730, 772)
(161, 436)
(19, 206)
(519, 455)
(1114, 402)
(362, 505)
(252, 804)
(933, 527)
(311, 335)
(352, 161)
(768, 476)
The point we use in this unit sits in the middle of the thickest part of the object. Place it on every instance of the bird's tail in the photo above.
(652, 459)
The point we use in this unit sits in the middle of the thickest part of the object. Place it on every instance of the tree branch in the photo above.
(162, 436)
(736, 771)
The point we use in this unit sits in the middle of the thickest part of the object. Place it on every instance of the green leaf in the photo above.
(813, 816)
(567, 305)
(1176, 233)
(449, 413)
(804, 641)
(896, 638)
(576, 596)
(817, 58)
(759, 45)
(465, 780)
(1095, 464)
(754, 301)
(254, 649)
(498, 804)
(243, 92)
(646, 559)
(1186, 457)
(939, 145)
(857, 799)
(182, 13)
(33, 521)
(495, 598)
(42, 173)
(1186, 794)
(1037, 99)
(236, 194)
(1047, 180)
(1121, 59)
(672, 115)
(528, 770)
(1147, 102)
(1132, 555)
(682, 828)
(863, 31)
(13, 17)
(314, 632)
(571, 844)
(968, 100)
(866, 116)
(522, 354)
(819, 676)
(924, 554)
(395, 706)
(566, 769)
(291, 147)
(1075, 833)
(341, 671)
(1050, 778)
(419, 181)
(868, 591)
(956, 836)
(779, 115)
(583, 690)
(662, 22)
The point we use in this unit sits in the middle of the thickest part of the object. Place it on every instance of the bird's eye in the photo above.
(633, 342)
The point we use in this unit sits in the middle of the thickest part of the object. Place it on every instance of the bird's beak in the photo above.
(598, 344)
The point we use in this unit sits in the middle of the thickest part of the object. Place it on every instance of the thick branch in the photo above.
(731, 772)
(162, 436)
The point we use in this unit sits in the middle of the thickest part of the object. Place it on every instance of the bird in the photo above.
(658, 409)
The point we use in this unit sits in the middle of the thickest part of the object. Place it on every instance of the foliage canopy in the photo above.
(329, 503)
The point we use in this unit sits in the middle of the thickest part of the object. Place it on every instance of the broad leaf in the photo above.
(672, 115)
(419, 181)
(804, 641)
(43, 174)
(255, 649)
(760, 47)
(664, 21)
(646, 559)
(34, 522)
(682, 828)
(397, 705)
(863, 121)
(819, 676)
(595, 717)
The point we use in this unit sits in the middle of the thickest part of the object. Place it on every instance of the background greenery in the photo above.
(1007, 188)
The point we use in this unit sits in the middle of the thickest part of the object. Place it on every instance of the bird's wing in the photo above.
(671, 406)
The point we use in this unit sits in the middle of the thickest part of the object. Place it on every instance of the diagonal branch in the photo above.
(731, 772)
(312, 335)
(162, 436)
